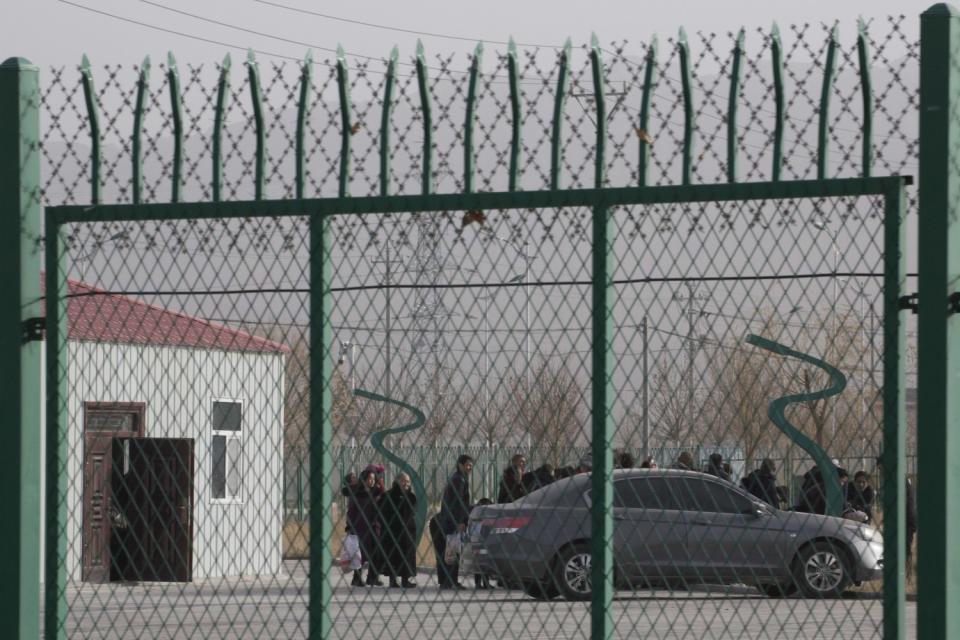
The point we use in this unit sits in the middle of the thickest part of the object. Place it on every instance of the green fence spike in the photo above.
(596, 65)
(556, 145)
(516, 121)
(386, 112)
(303, 112)
(426, 168)
(468, 125)
(776, 53)
(866, 88)
(777, 409)
(649, 81)
(823, 128)
(735, 78)
(684, 51)
(139, 108)
(223, 91)
(93, 118)
(176, 115)
(256, 101)
(346, 127)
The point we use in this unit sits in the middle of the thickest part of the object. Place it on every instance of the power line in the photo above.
(327, 16)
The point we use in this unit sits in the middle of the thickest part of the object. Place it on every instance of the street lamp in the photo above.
(486, 355)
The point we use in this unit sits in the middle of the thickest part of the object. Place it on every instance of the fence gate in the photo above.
(579, 301)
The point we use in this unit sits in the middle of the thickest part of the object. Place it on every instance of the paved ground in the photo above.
(277, 608)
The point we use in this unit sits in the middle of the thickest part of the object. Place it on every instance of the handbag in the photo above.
(451, 554)
(350, 557)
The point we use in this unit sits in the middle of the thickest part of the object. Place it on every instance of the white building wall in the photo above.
(178, 386)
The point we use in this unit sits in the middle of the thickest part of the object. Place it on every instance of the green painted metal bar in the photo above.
(602, 428)
(684, 50)
(776, 411)
(321, 406)
(176, 114)
(256, 102)
(734, 97)
(468, 125)
(601, 540)
(894, 414)
(346, 131)
(385, 117)
(220, 111)
(56, 514)
(600, 156)
(609, 197)
(776, 54)
(426, 168)
(20, 375)
(823, 128)
(516, 119)
(649, 81)
(377, 440)
(866, 89)
(938, 406)
(303, 112)
(93, 120)
(139, 109)
(556, 142)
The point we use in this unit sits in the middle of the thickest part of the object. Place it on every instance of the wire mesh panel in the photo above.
(352, 412)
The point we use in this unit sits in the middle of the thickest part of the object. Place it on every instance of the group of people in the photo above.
(384, 523)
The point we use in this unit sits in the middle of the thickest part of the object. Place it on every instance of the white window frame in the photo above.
(228, 435)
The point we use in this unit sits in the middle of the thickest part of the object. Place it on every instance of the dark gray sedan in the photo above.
(671, 528)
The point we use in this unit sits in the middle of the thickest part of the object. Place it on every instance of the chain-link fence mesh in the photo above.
(188, 387)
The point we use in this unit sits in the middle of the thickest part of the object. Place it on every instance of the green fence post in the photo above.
(20, 373)
(938, 402)
(321, 463)
(601, 552)
(894, 414)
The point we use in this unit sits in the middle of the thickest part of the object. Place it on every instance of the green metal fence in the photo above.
(573, 260)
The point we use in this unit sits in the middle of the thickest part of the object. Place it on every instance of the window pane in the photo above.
(636, 493)
(233, 475)
(226, 416)
(704, 495)
(664, 494)
(218, 479)
(111, 421)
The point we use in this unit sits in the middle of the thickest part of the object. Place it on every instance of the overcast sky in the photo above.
(58, 32)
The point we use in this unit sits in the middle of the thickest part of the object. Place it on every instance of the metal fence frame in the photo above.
(938, 407)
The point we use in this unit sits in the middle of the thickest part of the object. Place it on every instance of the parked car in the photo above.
(671, 528)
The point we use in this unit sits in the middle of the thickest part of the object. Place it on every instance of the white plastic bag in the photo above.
(350, 557)
(466, 558)
(454, 546)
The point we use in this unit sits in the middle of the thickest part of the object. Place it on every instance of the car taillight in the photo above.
(508, 525)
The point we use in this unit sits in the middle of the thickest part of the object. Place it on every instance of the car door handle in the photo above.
(704, 522)
(619, 517)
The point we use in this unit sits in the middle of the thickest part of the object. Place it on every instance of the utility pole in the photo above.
(692, 315)
(388, 263)
(646, 405)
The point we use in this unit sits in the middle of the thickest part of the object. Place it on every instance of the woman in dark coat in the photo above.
(399, 532)
(363, 520)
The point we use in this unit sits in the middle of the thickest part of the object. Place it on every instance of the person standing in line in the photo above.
(762, 483)
(363, 520)
(399, 532)
(648, 463)
(511, 486)
(453, 517)
(861, 495)
(715, 467)
(684, 461)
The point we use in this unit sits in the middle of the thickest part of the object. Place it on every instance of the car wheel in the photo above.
(540, 591)
(821, 570)
(572, 571)
(778, 590)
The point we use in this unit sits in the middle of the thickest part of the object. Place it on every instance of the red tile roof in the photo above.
(95, 315)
